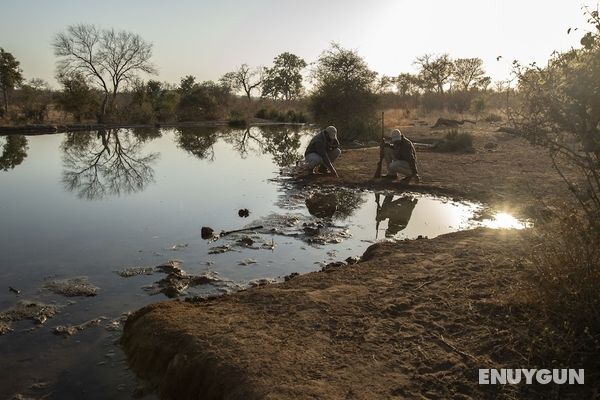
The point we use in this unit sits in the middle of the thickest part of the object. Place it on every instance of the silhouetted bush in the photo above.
(493, 118)
(456, 142)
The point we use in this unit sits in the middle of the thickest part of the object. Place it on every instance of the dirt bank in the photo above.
(414, 319)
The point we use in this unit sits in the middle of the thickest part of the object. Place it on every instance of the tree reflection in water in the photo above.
(14, 151)
(198, 141)
(107, 163)
(339, 203)
(281, 142)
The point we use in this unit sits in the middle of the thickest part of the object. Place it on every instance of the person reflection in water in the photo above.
(397, 212)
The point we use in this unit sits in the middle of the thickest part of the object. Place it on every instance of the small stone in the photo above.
(290, 276)
(206, 232)
(352, 260)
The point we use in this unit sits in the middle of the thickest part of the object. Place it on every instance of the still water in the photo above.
(90, 204)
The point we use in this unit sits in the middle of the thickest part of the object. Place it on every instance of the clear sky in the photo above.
(208, 38)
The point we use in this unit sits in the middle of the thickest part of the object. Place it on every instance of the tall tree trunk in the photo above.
(102, 113)
(5, 101)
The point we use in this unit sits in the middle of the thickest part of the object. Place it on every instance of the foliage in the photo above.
(565, 289)
(492, 117)
(77, 97)
(283, 144)
(280, 116)
(561, 112)
(344, 94)
(468, 73)
(456, 142)
(205, 100)
(10, 75)
(236, 119)
(407, 84)
(14, 152)
(478, 106)
(155, 99)
(197, 141)
(35, 101)
(105, 57)
(284, 79)
(434, 71)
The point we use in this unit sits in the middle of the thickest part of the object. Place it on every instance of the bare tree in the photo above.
(468, 74)
(106, 57)
(434, 71)
(244, 78)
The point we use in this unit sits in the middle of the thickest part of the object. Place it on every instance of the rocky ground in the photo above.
(413, 319)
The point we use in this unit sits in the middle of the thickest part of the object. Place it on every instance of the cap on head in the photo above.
(396, 135)
(331, 132)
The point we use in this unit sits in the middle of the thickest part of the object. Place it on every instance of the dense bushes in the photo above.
(280, 116)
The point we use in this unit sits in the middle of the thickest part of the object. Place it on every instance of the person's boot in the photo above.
(406, 181)
(321, 169)
(390, 176)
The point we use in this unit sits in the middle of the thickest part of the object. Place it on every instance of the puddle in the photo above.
(128, 210)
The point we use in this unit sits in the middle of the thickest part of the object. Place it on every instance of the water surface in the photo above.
(89, 204)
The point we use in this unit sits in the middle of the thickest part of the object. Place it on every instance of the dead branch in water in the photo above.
(252, 228)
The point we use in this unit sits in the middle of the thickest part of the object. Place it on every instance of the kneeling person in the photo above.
(401, 157)
(323, 150)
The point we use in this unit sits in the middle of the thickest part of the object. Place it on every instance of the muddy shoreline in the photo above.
(413, 319)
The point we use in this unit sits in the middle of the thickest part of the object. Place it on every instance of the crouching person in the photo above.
(322, 151)
(401, 158)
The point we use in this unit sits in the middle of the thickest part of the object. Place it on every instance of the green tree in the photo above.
(468, 74)
(407, 84)
(561, 111)
(10, 75)
(107, 57)
(77, 97)
(434, 71)
(14, 151)
(206, 100)
(187, 84)
(284, 79)
(35, 99)
(343, 94)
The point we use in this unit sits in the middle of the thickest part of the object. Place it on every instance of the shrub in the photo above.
(237, 119)
(493, 118)
(262, 114)
(456, 142)
(564, 287)
(288, 116)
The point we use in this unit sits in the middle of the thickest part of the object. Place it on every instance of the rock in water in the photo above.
(244, 213)
(207, 232)
(72, 287)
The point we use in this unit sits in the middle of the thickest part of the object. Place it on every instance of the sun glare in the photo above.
(503, 220)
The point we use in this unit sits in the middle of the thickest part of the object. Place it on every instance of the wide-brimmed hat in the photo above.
(396, 135)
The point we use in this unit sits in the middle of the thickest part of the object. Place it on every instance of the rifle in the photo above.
(378, 170)
(377, 215)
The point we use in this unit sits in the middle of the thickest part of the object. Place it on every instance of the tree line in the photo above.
(99, 71)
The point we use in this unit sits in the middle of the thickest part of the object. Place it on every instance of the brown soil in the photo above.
(414, 319)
